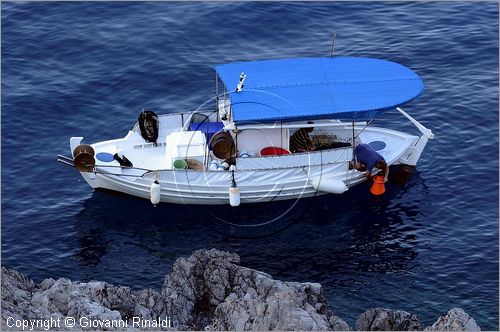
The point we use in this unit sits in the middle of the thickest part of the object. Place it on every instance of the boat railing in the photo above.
(183, 117)
(312, 158)
(341, 157)
(153, 171)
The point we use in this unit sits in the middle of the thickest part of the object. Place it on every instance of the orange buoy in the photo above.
(378, 186)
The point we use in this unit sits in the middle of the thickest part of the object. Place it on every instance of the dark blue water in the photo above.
(86, 69)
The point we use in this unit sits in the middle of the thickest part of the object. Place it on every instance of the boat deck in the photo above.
(389, 143)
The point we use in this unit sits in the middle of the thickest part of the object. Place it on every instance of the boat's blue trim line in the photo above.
(309, 88)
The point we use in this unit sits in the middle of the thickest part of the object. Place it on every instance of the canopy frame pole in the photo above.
(366, 126)
(277, 125)
(353, 136)
(225, 94)
(216, 93)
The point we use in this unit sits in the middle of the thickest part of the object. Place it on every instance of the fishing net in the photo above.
(325, 141)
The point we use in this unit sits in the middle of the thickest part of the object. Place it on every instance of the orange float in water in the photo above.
(378, 186)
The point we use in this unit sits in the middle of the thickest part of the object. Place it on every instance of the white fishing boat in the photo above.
(239, 152)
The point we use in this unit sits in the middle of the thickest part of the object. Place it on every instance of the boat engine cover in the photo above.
(149, 125)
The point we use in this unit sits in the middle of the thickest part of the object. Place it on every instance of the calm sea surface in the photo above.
(87, 69)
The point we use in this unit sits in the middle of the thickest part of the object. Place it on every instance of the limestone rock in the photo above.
(381, 319)
(23, 299)
(196, 285)
(454, 320)
(16, 295)
(208, 290)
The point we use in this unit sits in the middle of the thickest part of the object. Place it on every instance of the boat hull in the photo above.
(259, 179)
(212, 187)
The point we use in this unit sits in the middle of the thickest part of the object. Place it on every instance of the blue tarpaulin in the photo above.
(208, 128)
(313, 88)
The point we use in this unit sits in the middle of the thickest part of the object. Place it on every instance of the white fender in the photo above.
(234, 196)
(330, 185)
(155, 193)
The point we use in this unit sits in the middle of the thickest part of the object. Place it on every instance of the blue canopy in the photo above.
(314, 88)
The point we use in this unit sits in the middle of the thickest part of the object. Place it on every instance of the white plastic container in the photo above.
(185, 145)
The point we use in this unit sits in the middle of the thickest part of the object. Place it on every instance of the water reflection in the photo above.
(333, 239)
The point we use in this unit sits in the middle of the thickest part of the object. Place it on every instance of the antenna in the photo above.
(334, 36)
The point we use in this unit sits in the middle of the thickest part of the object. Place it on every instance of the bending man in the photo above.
(300, 140)
(366, 159)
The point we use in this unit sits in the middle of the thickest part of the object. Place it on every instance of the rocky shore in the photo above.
(207, 291)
